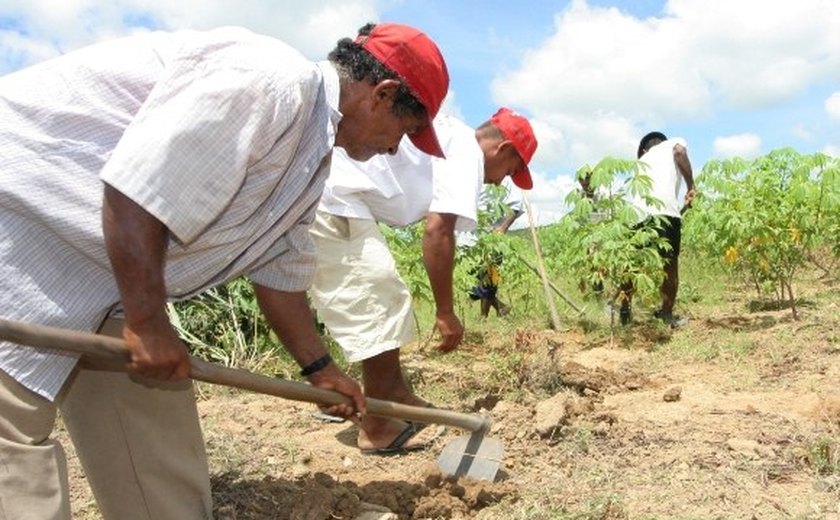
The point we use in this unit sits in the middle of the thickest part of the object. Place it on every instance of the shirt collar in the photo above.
(332, 89)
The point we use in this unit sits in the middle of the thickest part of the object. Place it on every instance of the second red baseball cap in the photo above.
(418, 61)
(518, 130)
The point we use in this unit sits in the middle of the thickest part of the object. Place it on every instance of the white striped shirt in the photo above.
(224, 136)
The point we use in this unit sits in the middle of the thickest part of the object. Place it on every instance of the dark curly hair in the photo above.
(644, 144)
(357, 64)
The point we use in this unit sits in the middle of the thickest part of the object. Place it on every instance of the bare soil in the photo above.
(735, 416)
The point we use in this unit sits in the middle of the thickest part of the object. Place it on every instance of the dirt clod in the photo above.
(672, 394)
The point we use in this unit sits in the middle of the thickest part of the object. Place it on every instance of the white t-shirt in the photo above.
(402, 189)
(667, 180)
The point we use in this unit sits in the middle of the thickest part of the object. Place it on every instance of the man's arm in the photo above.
(289, 315)
(684, 167)
(439, 259)
(136, 243)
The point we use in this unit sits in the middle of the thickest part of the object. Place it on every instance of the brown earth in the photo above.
(736, 416)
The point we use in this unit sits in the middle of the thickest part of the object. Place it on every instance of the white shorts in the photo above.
(358, 293)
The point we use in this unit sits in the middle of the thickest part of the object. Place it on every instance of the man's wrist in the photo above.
(317, 365)
(444, 311)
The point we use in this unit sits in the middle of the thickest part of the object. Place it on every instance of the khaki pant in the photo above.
(140, 445)
(357, 291)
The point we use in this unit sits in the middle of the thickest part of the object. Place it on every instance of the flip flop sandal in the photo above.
(398, 445)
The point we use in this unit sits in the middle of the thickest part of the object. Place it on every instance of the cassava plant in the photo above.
(826, 252)
(764, 217)
(489, 248)
(598, 241)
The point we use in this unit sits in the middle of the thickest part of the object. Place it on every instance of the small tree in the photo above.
(763, 217)
(598, 240)
(488, 248)
(827, 219)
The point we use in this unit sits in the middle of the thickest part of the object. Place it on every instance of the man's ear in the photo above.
(386, 91)
(505, 146)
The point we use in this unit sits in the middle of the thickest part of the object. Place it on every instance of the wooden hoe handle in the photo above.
(116, 355)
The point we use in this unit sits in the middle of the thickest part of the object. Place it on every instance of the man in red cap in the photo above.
(357, 290)
(149, 169)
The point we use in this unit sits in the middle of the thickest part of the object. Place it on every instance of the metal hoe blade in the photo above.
(474, 456)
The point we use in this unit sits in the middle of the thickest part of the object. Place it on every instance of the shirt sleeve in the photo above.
(457, 184)
(185, 154)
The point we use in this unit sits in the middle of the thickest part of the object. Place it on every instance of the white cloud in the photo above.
(17, 50)
(605, 77)
(568, 142)
(832, 150)
(547, 198)
(600, 61)
(832, 106)
(747, 146)
(783, 48)
(802, 132)
(313, 26)
(450, 106)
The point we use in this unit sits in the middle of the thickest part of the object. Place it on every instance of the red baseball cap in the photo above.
(418, 61)
(518, 130)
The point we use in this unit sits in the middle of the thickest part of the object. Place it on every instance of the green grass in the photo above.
(824, 455)
(726, 346)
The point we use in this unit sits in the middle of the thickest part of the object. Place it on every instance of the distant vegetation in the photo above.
(758, 222)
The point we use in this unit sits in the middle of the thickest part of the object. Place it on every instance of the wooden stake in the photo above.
(554, 288)
(555, 320)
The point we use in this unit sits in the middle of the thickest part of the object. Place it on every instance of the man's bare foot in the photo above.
(403, 397)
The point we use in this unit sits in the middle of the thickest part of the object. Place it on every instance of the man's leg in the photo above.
(366, 306)
(502, 310)
(626, 289)
(625, 298)
(669, 286)
(357, 290)
(33, 467)
(140, 444)
(672, 231)
(668, 290)
(383, 378)
(485, 307)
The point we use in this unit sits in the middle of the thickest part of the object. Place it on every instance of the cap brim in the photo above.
(426, 140)
(522, 179)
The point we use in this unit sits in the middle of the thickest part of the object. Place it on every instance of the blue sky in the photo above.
(733, 77)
